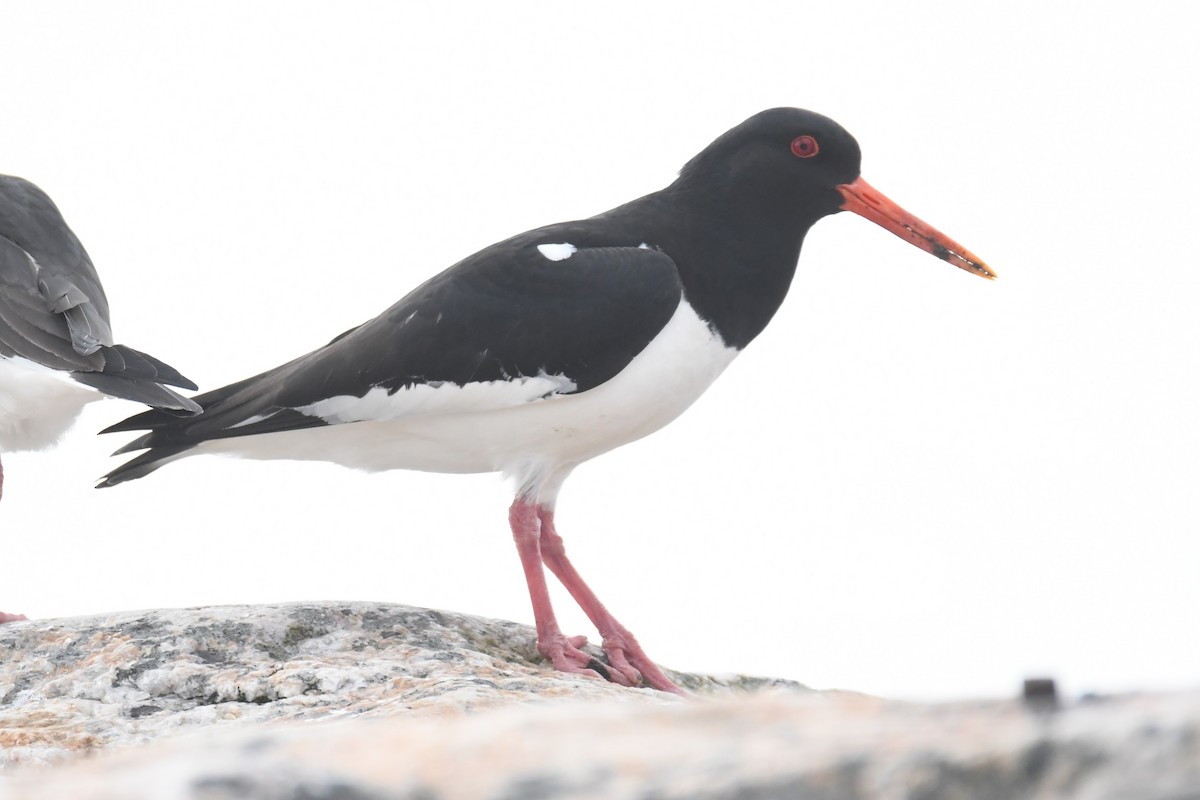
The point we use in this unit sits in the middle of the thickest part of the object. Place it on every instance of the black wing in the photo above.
(506, 312)
(53, 310)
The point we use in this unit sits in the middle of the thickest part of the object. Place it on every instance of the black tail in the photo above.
(141, 466)
(239, 409)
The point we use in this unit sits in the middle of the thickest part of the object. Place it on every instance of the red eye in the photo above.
(804, 147)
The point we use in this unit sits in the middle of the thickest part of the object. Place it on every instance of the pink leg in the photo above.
(562, 652)
(624, 653)
(7, 617)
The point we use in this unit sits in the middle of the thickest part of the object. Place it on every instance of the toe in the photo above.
(628, 659)
(565, 655)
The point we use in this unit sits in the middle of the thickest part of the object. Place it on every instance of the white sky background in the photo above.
(916, 483)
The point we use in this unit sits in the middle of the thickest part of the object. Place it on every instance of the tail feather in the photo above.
(130, 363)
(143, 442)
(146, 421)
(140, 390)
(142, 465)
(145, 365)
(245, 408)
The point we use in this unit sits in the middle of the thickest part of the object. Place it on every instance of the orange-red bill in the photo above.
(865, 201)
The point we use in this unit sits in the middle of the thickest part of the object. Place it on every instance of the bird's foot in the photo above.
(566, 655)
(11, 617)
(627, 659)
(628, 665)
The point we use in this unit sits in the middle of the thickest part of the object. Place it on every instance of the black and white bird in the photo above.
(556, 345)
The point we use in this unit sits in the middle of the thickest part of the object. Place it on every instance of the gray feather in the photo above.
(53, 310)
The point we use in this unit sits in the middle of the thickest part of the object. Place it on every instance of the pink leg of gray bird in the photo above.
(538, 542)
(3, 616)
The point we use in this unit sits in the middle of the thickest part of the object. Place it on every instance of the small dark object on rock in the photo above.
(1040, 693)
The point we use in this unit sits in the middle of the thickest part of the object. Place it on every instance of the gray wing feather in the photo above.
(89, 329)
(53, 310)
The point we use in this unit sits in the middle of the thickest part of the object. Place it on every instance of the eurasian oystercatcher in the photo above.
(556, 345)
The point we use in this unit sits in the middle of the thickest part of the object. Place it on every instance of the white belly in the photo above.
(37, 404)
(537, 442)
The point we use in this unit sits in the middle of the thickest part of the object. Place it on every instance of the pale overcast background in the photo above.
(916, 483)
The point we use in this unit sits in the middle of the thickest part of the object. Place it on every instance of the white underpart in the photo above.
(509, 427)
(379, 405)
(557, 252)
(37, 404)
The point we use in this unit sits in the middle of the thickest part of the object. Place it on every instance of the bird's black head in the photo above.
(791, 167)
(791, 158)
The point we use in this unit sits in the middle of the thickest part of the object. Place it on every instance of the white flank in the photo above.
(37, 404)
(521, 428)
(557, 252)
(445, 398)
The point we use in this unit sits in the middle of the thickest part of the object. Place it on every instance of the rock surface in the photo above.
(78, 685)
(380, 702)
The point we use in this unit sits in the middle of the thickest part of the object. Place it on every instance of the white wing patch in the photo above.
(557, 252)
(437, 398)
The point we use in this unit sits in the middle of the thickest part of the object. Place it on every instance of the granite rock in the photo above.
(74, 686)
(371, 702)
